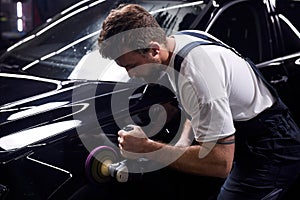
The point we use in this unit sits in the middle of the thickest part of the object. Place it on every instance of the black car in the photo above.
(60, 100)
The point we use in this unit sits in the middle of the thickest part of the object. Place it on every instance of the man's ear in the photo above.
(154, 48)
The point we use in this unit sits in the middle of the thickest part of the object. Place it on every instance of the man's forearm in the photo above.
(217, 161)
(187, 135)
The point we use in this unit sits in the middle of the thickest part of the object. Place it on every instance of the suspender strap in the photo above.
(211, 41)
(259, 74)
(182, 54)
(198, 35)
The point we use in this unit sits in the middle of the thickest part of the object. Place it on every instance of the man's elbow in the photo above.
(223, 170)
(225, 158)
(227, 170)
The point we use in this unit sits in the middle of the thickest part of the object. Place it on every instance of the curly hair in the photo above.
(129, 27)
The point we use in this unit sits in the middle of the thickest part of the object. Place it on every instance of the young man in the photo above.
(244, 132)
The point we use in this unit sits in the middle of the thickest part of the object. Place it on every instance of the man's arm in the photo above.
(187, 135)
(205, 159)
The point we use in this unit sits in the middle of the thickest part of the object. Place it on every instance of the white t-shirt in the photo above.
(217, 87)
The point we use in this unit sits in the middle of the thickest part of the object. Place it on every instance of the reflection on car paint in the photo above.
(29, 136)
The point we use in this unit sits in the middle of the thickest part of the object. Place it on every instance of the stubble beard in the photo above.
(155, 72)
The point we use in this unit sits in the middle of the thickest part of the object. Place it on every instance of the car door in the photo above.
(287, 17)
(253, 29)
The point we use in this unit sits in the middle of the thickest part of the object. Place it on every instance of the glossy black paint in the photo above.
(60, 158)
(71, 116)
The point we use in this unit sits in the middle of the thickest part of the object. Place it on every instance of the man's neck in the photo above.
(170, 49)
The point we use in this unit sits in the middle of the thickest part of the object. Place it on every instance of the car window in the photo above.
(289, 15)
(244, 27)
(178, 17)
(55, 49)
(171, 15)
(52, 51)
(290, 9)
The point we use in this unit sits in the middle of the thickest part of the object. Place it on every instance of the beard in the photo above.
(154, 71)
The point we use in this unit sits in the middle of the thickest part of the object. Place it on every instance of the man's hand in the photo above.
(133, 143)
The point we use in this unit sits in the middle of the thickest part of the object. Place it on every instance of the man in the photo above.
(244, 132)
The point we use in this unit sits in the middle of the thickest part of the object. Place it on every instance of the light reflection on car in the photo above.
(54, 78)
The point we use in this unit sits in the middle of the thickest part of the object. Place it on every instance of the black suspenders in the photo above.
(251, 130)
(210, 41)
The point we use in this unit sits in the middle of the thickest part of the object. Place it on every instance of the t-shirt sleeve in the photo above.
(204, 97)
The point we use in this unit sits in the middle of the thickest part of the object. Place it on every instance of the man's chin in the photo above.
(151, 79)
(155, 77)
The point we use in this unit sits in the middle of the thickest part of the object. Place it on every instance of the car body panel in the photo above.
(60, 99)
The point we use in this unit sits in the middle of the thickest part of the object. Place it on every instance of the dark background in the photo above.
(34, 12)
